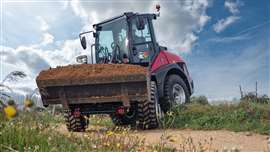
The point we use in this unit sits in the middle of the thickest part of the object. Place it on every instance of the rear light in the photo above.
(77, 113)
(120, 111)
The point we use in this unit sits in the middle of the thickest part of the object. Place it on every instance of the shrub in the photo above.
(11, 102)
(263, 99)
(199, 100)
(245, 116)
(251, 97)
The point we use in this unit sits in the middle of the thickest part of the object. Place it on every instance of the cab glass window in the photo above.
(141, 36)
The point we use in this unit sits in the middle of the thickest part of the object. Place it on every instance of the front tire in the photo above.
(175, 92)
(149, 112)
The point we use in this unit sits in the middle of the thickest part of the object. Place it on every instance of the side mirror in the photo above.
(82, 59)
(83, 42)
(83, 39)
(140, 23)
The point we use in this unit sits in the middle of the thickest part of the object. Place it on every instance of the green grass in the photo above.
(32, 132)
(245, 116)
(36, 131)
(101, 120)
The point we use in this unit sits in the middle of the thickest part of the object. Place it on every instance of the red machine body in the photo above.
(165, 58)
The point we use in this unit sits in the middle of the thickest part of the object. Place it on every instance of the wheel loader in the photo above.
(126, 75)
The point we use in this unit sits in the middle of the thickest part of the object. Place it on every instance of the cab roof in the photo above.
(127, 14)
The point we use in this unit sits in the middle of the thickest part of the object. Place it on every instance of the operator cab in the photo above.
(128, 38)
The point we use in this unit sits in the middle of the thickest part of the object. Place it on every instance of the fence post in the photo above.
(256, 91)
(241, 92)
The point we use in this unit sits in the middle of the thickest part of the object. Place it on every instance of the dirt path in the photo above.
(221, 139)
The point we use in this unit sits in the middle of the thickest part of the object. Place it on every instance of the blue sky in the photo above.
(224, 42)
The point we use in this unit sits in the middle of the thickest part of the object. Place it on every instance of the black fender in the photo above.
(160, 74)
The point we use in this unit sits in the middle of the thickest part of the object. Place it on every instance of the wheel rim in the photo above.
(179, 95)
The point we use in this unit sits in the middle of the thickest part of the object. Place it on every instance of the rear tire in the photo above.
(149, 111)
(172, 82)
(75, 124)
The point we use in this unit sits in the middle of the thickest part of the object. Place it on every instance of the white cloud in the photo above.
(197, 9)
(223, 74)
(78, 9)
(189, 16)
(222, 24)
(26, 58)
(43, 24)
(189, 19)
(203, 19)
(230, 39)
(244, 34)
(232, 6)
(64, 4)
(47, 39)
(188, 42)
(32, 59)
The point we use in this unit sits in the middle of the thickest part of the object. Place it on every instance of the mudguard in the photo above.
(167, 63)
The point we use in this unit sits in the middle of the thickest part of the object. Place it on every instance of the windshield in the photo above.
(112, 42)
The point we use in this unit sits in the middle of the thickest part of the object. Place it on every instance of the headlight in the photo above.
(82, 59)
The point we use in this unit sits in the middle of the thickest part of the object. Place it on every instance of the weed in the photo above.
(246, 116)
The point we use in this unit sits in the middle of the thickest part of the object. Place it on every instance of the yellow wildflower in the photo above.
(28, 103)
(10, 111)
(109, 133)
(171, 138)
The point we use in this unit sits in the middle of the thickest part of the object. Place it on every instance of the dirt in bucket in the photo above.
(92, 72)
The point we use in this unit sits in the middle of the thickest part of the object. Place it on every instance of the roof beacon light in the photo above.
(158, 9)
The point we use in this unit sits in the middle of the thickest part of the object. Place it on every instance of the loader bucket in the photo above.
(93, 83)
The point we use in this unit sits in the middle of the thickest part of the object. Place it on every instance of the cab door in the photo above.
(142, 38)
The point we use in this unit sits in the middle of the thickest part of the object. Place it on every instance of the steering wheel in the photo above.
(113, 44)
(101, 50)
(116, 53)
(108, 54)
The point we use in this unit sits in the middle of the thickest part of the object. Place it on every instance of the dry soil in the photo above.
(219, 139)
(91, 70)
(88, 73)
